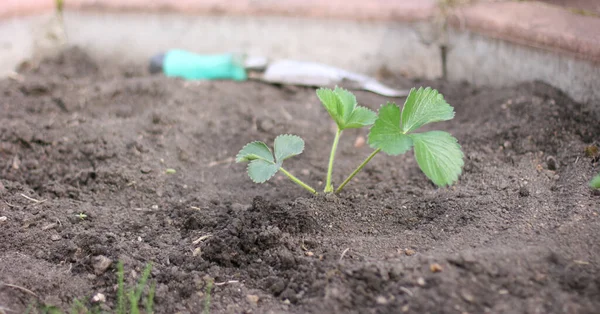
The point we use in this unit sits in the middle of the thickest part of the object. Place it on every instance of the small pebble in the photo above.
(381, 300)
(3, 219)
(145, 169)
(101, 264)
(309, 253)
(55, 237)
(435, 268)
(409, 252)
(197, 251)
(99, 298)
(50, 226)
(359, 142)
(421, 281)
(252, 299)
(467, 296)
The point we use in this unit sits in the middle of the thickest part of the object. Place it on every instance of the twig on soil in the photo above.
(220, 162)
(405, 290)
(10, 205)
(202, 238)
(344, 254)
(20, 288)
(225, 282)
(195, 208)
(33, 199)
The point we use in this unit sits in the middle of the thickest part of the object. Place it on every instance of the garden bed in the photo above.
(519, 232)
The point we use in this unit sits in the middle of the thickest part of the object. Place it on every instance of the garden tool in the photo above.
(191, 66)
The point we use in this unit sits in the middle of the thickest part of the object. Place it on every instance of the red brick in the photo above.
(14, 8)
(533, 24)
(406, 10)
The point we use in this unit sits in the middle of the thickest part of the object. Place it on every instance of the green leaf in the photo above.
(255, 150)
(439, 156)
(424, 106)
(332, 104)
(263, 165)
(595, 183)
(348, 101)
(261, 170)
(287, 146)
(342, 107)
(360, 117)
(386, 133)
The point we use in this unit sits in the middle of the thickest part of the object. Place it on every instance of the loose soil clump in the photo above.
(84, 153)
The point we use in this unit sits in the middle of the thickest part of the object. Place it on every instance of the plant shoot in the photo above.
(393, 131)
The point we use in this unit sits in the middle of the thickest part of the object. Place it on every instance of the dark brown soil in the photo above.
(519, 233)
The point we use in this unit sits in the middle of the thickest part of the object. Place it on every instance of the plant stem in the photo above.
(328, 185)
(357, 170)
(298, 181)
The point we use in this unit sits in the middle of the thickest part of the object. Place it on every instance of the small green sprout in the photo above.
(595, 183)
(81, 216)
(438, 153)
(263, 165)
(342, 107)
(170, 171)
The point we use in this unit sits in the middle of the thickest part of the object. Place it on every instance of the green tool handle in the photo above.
(191, 66)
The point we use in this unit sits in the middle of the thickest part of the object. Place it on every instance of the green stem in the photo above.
(357, 170)
(298, 181)
(328, 185)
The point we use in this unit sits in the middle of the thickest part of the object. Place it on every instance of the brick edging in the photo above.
(358, 10)
(17, 8)
(532, 24)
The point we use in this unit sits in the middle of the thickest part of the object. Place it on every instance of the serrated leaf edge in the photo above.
(238, 157)
(280, 162)
(260, 182)
(455, 177)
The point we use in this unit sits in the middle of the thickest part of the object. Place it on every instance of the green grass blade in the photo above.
(120, 288)
(209, 286)
(150, 299)
(595, 183)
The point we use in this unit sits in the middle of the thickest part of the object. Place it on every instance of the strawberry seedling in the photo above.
(342, 107)
(438, 153)
(595, 183)
(263, 165)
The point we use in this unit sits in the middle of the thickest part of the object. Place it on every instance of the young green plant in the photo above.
(263, 165)
(438, 153)
(342, 107)
(595, 183)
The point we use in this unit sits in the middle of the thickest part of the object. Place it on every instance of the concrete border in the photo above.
(364, 46)
(491, 43)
